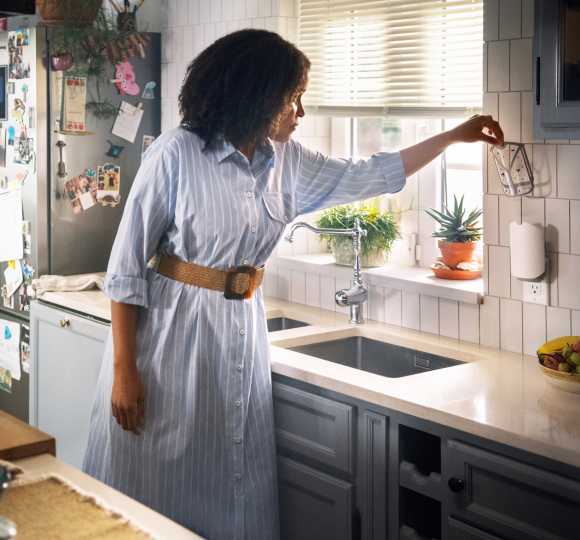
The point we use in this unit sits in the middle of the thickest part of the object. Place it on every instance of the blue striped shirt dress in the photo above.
(206, 457)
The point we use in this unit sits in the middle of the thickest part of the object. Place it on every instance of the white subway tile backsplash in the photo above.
(516, 289)
(510, 19)
(252, 9)
(327, 292)
(166, 114)
(298, 287)
(239, 10)
(568, 167)
(233, 26)
(558, 225)
(469, 322)
(192, 12)
(187, 54)
(498, 77)
(569, 281)
(204, 11)
(533, 211)
(520, 64)
(227, 10)
(510, 115)
(544, 168)
(510, 209)
(429, 307)
(491, 221)
(264, 8)
(284, 284)
(448, 318)
(553, 269)
(527, 18)
(575, 323)
(286, 8)
(183, 12)
(528, 123)
(322, 126)
(221, 29)
(376, 303)
(491, 20)
(558, 322)
(171, 8)
(393, 306)
(198, 39)
(489, 322)
(312, 290)
(292, 30)
(575, 227)
(510, 325)
(485, 273)
(271, 282)
(534, 327)
(209, 34)
(411, 310)
(499, 271)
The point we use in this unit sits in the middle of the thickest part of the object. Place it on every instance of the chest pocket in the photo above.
(280, 206)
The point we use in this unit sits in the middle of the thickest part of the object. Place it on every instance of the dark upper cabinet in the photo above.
(556, 53)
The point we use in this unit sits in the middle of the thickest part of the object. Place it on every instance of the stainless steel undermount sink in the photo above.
(376, 357)
(284, 323)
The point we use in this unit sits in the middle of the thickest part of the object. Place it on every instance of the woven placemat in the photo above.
(51, 508)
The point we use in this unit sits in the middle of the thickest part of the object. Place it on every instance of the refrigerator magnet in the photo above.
(13, 277)
(82, 192)
(24, 297)
(5, 380)
(108, 181)
(114, 150)
(25, 349)
(18, 111)
(28, 244)
(7, 301)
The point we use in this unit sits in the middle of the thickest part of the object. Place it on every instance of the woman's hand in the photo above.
(128, 399)
(417, 156)
(475, 129)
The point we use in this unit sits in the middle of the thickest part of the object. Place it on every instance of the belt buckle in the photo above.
(229, 294)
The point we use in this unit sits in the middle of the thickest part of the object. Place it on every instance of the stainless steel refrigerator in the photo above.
(62, 242)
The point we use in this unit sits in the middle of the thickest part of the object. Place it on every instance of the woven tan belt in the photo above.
(237, 283)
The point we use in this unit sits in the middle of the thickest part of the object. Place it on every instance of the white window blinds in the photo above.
(393, 57)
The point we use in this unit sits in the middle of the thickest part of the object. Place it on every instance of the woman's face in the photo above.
(289, 121)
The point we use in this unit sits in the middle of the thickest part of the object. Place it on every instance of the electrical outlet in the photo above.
(538, 292)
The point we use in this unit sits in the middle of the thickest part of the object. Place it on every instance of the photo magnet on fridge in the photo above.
(109, 178)
(82, 192)
(5, 380)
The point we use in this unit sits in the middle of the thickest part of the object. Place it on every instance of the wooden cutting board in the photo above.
(19, 440)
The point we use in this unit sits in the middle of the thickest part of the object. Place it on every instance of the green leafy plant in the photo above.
(453, 227)
(87, 56)
(382, 228)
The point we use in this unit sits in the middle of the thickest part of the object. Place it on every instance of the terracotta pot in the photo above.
(63, 62)
(455, 252)
(52, 11)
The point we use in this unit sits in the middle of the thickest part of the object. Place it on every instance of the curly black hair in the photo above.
(241, 85)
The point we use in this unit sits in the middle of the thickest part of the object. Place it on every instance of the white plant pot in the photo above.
(343, 252)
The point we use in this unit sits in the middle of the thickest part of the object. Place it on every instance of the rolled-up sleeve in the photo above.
(149, 210)
(324, 182)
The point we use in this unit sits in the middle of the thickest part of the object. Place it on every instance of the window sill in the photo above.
(405, 278)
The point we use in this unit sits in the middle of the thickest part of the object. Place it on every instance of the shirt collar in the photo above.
(223, 148)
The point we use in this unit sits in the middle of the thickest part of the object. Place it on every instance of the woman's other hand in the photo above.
(128, 399)
(478, 128)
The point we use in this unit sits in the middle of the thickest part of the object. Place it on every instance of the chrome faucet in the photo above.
(357, 294)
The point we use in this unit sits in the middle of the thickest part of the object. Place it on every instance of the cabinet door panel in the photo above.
(512, 498)
(313, 504)
(64, 372)
(373, 467)
(316, 427)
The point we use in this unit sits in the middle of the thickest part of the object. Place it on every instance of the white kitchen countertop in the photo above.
(499, 395)
(148, 519)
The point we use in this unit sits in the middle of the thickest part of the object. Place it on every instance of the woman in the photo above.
(187, 370)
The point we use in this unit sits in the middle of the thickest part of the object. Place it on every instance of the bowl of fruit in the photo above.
(560, 363)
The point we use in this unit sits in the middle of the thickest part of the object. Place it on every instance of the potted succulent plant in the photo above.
(457, 236)
(382, 231)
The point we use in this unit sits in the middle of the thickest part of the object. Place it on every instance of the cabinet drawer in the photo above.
(511, 498)
(461, 531)
(315, 427)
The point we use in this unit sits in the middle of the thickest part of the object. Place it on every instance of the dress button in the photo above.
(285, 218)
(248, 194)
(253, 229)
(238, 440)
(239, 367)
(242, 331)
(238, 403)
(246, 262)
(238, 476)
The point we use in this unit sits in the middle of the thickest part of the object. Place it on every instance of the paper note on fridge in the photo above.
(127, 122)
(11, 246)
(10, 347)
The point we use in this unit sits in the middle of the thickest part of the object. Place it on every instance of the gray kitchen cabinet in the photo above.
(313, 505)
(412, 479)
(66, 355)
(511, 498)
(556, 72)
